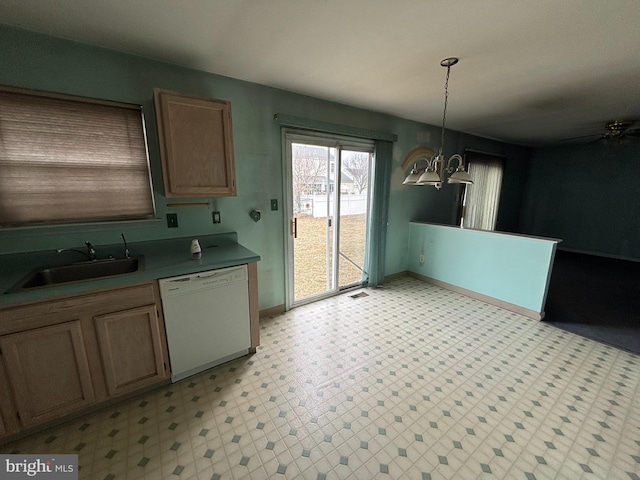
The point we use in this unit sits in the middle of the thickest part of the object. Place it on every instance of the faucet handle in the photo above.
(126, 248)
(91, 250)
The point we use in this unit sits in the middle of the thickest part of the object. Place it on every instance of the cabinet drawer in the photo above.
(58, 310)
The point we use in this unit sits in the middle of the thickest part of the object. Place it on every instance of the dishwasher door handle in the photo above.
(214, 273)
(207, 276)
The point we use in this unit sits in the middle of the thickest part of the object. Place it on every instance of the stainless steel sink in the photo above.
(78, 272)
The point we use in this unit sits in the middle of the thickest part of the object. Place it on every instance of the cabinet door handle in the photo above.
(294, 227)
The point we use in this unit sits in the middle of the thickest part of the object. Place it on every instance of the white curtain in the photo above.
(483, 196)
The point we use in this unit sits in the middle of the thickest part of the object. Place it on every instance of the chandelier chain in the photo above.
(432, 173)
(444, 113)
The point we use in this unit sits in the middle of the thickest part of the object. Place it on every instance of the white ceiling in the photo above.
(530, 72)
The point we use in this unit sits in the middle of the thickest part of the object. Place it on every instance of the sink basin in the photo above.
(78, 272)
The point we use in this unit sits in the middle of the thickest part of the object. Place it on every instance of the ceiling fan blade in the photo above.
(581, 136)
(613, 132)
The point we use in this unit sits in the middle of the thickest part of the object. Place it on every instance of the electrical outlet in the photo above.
(274, 204)
(172, 220)
(421, 258)
(216, 217)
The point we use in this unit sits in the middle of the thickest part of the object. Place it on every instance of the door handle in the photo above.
(294, 227)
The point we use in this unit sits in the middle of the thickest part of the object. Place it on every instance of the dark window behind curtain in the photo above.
(67, 160)
(481, 199)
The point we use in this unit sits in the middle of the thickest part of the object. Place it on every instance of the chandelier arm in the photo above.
(457, 156)
(417, 169)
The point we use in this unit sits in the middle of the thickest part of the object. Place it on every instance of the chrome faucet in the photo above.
(90, 253)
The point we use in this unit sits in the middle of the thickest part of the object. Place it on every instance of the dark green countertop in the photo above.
(162, 258)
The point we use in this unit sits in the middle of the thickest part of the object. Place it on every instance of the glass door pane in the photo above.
(313, 195)
(354, 208)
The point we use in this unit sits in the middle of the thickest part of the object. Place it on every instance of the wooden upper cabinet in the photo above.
(196, 145)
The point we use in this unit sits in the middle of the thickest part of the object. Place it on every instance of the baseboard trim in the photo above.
(479, 296)
(272, 311)
(393, 276)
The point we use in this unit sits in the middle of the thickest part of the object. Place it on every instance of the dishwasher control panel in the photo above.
(203, 280)
(214, 278)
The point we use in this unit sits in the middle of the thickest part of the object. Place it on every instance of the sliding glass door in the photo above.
(328, 198)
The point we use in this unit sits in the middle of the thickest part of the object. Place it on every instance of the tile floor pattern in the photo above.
(411, 381)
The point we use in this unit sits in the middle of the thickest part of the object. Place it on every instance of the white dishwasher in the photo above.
(206, 315)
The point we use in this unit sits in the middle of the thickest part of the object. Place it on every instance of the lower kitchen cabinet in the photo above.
(60, 356)
(48, 372)
(8, 412)
(131, 349)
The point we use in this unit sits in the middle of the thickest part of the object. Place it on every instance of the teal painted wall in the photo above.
(31, 60)
(588, 195)
(512, 268)
(426, 204)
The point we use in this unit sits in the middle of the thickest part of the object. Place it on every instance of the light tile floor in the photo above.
(410, 381)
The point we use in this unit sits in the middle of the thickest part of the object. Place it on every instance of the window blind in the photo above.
(482, 198)
(71, 160)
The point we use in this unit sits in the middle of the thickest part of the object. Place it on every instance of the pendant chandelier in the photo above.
(431, 173)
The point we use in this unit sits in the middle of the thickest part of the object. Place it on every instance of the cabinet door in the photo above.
(48, 371)
(196, 145)
(130, 349)
(8, 420)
